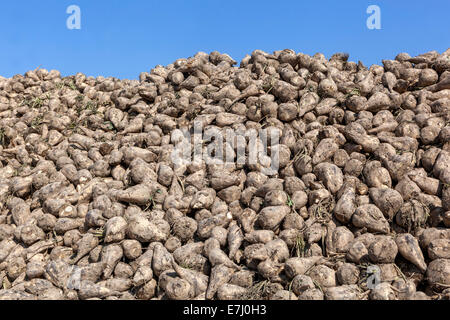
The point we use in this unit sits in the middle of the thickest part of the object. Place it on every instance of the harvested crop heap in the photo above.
(93, 206)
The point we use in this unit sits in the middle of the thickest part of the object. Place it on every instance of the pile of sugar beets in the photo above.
(92, 205)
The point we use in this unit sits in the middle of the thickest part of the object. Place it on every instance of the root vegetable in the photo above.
(197, 280)
(235, 239)
(85, 245)
(438, 273)
(115, 229)
(439, 249)
(301, 283)
(147, 291)
(89, 290)
(270, 217)
(311, 294)
(296, 266)
(347, 274)
(383, 250)
(220, 275)
(103, 197)
(141, 229)
(230, 292)
(382, 291)
(132, 249)
(142, 275)
(323, 276)
(370, 217)
(110, 256)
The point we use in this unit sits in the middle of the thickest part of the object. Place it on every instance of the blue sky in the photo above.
(124, 38)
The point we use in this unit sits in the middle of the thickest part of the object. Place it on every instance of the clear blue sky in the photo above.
(124, 38)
